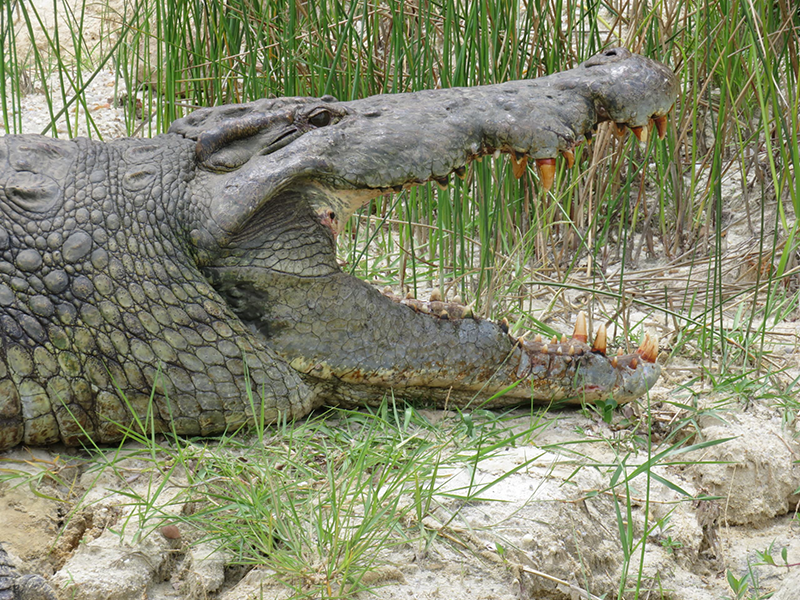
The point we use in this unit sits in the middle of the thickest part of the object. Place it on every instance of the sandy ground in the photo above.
(556, 542)
(556, 538)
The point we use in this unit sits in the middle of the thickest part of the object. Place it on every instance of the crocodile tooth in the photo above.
(634, 363)
(648, 350)
(600, 340)
(545, 349)
(538, 338)
(444, 314)
(571, 350)
(620, 352)
(397, 189)
(496, 154)
(570, 156)
(619, 129)
(461, 172)
(559, 350)
(547, 172)
(640, 133)
(554, 341)
(614, 362)
(580, 333)
(436, 295)
(468, 312)
(457, 299)
(410, 296)
(518, 165)
(504, 325)
(563, 339)
(441, 182)
(387, 291)
(661, 126)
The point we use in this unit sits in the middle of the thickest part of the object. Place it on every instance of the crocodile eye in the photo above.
(320, 119)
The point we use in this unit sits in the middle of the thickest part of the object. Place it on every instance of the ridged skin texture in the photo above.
(14, 586)
(98, 293)
(180, 276)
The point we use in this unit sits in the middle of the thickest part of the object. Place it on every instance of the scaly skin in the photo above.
(14, 586)
(200, 265)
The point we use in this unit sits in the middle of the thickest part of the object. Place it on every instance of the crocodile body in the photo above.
(14, 586)
(175, 276)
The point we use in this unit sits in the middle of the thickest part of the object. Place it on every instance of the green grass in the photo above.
(491, 238)
(640, 235)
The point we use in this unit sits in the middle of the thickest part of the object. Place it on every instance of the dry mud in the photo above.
(548, 531)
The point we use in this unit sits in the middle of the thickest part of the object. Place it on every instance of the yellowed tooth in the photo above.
(518, 166)
(457, 300)
(436, 295)
(554, 341)
(570, 156)
(538, 338)
(619, 129)
(614, 362)
(441, 182)
(640, 133)
(547, 172)
(661, 126)
(461, 172)
(580, 333)
(571, 350)
(600, 341)
(496, 154)
(648, 349)
(410, 296)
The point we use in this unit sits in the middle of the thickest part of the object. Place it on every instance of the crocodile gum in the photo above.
(178, 275)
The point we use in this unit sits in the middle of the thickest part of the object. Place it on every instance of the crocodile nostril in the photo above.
(611, 53)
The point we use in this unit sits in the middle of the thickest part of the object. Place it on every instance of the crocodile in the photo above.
(14, 586)
(190, 281)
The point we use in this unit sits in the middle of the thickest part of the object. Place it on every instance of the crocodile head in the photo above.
(278, 178)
